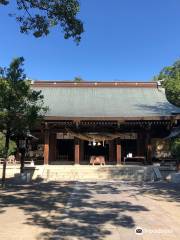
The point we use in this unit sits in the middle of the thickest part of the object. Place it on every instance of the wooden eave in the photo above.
(121, 119)
(58, 84)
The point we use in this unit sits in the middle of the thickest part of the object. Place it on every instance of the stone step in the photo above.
(81, 172)
(94, 173)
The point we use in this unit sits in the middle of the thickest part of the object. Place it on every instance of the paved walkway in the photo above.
(88, 211)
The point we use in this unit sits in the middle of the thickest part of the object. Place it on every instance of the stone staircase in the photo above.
(95, 173)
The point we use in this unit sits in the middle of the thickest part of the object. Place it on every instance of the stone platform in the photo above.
(87, 172)
(11, 170)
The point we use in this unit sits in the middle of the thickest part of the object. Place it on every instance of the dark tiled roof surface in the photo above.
(105, 102)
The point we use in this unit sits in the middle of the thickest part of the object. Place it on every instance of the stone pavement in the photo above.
(91, 210)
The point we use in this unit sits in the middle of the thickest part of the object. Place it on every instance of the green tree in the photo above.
(175, 147)
(12, 146)
(21, 108)
(78, 79)
(171, 77)
(39, 16)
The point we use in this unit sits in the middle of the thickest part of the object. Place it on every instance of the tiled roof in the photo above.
(110, 101)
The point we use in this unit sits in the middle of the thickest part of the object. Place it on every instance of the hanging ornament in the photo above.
(94, 143)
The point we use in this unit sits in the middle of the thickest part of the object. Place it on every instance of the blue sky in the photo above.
(129, 40)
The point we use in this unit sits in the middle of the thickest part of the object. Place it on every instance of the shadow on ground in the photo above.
(163, 190)
(64, 213)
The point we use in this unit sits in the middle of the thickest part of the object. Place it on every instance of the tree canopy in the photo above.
(170, 77)
(78, 79)
(175, 148)
(171, 81)
(39, 16)
(21, 107)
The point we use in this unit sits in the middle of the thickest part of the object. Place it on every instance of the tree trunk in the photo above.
(21, 155)
(5, 159)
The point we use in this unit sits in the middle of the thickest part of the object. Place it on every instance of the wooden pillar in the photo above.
(77, 151)
(52, 147)
(111, 151)
(46, 147)
(81, 150)
(149, 153)
(140, 144)
(118, 152)
(148, 149)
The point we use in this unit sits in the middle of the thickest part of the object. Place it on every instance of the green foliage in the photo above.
(171, 81)
(175, 148)
(78, 79)
(39, 16)
(21, 108)
(12, 146)
(171, 77)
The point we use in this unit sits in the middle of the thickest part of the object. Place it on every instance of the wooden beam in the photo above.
(58, 84)
(139, 118)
